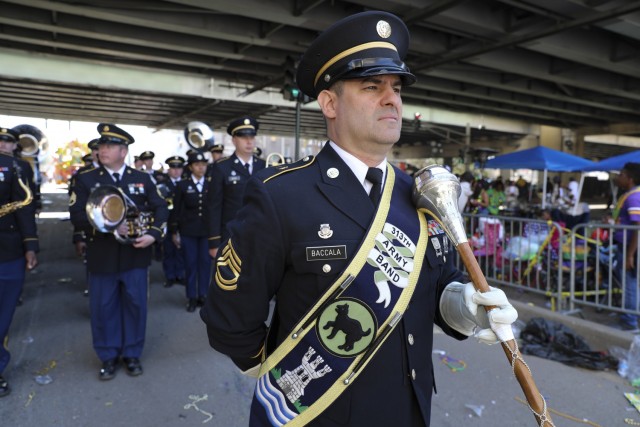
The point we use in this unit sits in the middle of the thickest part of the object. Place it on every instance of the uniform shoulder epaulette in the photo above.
(222, 159)
(276, 171)
(80, 172)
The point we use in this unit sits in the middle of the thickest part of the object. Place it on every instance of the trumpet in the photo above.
(10, 207)
(199, 136)
(108, 207)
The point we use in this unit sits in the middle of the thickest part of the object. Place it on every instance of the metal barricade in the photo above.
(521, 253)
(605, 282)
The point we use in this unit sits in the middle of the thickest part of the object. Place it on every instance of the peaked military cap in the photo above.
(216, 148)
(136, 158)
(147, 155)
(257, 151)
(8, 134)
(87, 158)
(175, 162)
(93, 144)
(196, 157)
(243, 126)
(112, 134)
(365, 44)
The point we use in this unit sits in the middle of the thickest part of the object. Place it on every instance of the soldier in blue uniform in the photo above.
(337, 240)
(18, 243)
(118, 272)
(146, 157)
(173, 257)
(216, 151)
(189, 232)
(229, 177)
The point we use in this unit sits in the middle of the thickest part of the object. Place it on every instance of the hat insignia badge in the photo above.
(384, 29)
(105, 129)
(247, 121)
(325, 231)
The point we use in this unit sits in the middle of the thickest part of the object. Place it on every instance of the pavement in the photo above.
(54, 371)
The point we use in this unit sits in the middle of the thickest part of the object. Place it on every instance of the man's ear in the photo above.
(327, 101)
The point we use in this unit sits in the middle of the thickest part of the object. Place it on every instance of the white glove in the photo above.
(459, 309)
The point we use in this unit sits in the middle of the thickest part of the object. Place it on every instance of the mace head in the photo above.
(436, 191)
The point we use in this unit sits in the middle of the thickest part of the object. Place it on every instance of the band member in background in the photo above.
(216, 151)
(118, 272)
(147, 165)
(18, 243)
(173, 257)
(188, 230)
(137, 163)
(229, 177)
(337, 239)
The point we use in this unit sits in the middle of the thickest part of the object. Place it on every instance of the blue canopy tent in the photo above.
(614, 163)
(540, 158)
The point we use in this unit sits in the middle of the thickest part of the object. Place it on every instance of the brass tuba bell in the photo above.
(107, 207)
(275, 159)
(199, 136)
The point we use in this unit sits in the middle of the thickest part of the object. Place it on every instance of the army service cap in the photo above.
(243, 126)
(366, 44)
(216, 148)
(147, 155)
(8, 135)
(112, 134)
(93, 144)
(196, 157)
(175, 162)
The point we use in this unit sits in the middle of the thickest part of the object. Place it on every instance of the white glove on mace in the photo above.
(459, 309)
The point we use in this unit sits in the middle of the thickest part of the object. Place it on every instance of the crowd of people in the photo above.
(334, 241)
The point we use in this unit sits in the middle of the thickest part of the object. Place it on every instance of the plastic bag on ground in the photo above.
(552, 340)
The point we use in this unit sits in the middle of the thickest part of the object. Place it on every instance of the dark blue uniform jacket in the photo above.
(104, 253)
(279, 220)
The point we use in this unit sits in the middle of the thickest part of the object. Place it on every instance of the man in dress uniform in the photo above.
(337, 240)
(216, 151)
(188, 230)
(173, 257)
(118, 272)
(18, 243)
(229, 177)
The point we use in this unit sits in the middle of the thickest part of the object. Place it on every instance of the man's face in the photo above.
(148, 164)
(112, 155)
(369, 111)
(622, 180)
(175, 172)
(7, 147)
(216, 155)
(244, 144)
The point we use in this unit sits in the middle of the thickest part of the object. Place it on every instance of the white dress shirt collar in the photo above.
(358, 167)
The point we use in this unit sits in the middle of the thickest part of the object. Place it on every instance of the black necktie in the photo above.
(116, 178)
(248, 167)
(374, 176)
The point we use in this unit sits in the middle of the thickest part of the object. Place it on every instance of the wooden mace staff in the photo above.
(436, 191)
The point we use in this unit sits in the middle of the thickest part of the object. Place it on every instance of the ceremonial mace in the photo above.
(436, 191)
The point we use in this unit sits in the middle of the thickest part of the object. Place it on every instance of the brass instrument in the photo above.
(279, 159)
(165, 192)
(14, 206)
(108, 207)
(199, 136)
